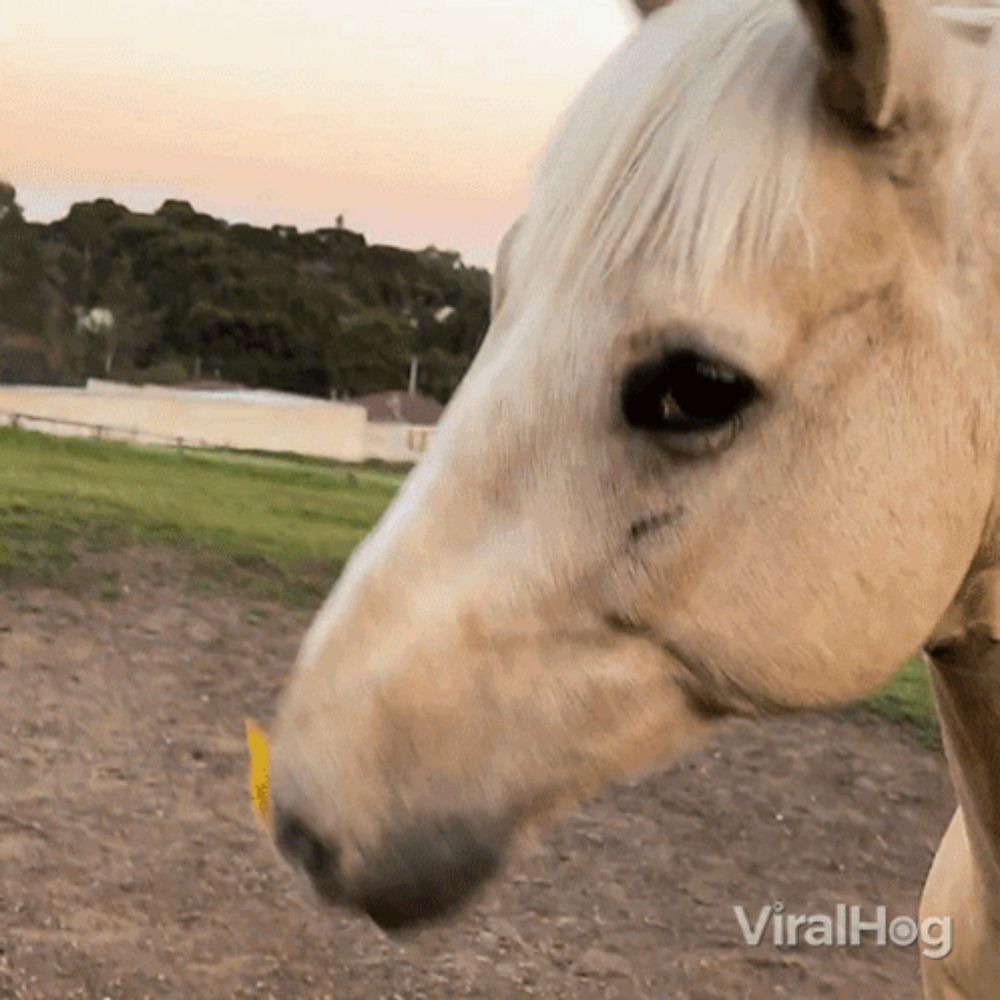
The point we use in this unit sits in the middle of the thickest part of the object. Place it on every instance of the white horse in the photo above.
(731, 446)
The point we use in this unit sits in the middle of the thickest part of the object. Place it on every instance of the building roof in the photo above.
(396, 407)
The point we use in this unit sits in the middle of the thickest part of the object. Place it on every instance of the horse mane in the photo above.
(687, 149)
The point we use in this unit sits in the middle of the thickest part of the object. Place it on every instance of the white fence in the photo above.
(246, 420)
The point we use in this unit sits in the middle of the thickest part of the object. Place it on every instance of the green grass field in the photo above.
(280, 527)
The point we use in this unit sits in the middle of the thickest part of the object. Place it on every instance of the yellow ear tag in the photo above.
(259, 773)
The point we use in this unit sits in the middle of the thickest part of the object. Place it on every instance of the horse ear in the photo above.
(877, 57)
(501, 273)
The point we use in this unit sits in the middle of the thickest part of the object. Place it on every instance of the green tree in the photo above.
(370, 354)
(441, 372)
(309, 312)
(21, 266)
(133, 324)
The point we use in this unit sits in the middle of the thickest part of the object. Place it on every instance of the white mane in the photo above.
(688, 148)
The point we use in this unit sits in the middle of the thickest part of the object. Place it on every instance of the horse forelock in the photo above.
(687, 149)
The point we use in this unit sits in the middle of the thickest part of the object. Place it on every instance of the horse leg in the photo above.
(964, 882)
(951, 892)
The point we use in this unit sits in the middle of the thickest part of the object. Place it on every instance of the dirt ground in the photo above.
(130, 866)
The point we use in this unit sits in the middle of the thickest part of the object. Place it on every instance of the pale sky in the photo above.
(419, 120)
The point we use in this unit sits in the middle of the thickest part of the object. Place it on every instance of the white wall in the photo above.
(251, 420)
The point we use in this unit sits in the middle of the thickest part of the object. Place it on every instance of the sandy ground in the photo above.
(130, 866)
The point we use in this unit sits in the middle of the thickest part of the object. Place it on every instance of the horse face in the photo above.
(666, 491)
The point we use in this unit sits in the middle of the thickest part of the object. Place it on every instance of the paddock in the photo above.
(132, 868)
(130, 863)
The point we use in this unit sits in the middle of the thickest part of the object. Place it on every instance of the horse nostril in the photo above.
(303, 847)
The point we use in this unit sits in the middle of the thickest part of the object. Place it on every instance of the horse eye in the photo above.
(684, 393)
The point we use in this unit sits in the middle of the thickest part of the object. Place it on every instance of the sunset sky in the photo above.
(419, 120)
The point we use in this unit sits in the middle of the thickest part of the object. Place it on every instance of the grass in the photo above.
(278, 526)
(907, 699)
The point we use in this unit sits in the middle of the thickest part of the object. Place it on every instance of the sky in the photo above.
(420, 121)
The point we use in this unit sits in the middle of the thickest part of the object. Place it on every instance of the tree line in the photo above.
(178, 295)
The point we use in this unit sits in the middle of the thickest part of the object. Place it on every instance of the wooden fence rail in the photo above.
(99, 432)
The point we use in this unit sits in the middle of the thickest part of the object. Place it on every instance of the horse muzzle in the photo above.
(420, 873)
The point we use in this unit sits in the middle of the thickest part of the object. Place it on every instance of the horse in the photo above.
(730, 448)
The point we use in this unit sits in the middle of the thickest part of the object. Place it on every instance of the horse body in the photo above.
(731, 446)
